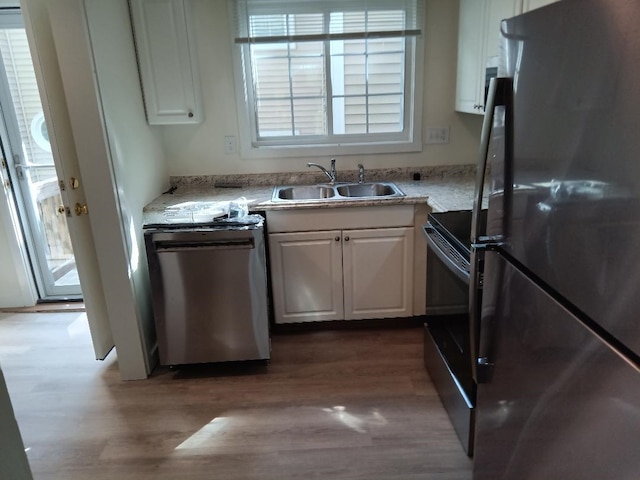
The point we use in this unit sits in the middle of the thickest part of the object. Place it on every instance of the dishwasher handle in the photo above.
(167, 246)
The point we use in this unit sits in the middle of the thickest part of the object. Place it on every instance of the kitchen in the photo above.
(139, 159)
(73, 83)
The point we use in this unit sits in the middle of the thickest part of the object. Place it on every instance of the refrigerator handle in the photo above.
(500, 93)
(481, 367)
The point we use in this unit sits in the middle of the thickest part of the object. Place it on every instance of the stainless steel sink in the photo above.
(340, 191)
(305, 192)
(367, 190)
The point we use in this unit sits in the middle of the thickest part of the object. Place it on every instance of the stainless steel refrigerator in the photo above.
(556, 280)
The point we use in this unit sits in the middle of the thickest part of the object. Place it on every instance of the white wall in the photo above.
(199, 150)
(136, 148)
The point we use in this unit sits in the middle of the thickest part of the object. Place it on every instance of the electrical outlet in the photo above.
(229, 144)
(434, 135)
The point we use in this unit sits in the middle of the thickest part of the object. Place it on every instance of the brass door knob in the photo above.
(81, 209)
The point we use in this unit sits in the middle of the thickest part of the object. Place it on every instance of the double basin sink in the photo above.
(338, 191)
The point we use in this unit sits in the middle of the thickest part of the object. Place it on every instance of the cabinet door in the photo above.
(470, 55)
(167, 61)
(479, 47)
(378, 273)
(306, 276)
(529, 5)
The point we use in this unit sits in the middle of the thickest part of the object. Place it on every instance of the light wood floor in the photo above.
(349, 404)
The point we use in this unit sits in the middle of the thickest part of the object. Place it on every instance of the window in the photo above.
(331, 73)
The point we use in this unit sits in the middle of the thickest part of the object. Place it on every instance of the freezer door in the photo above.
(560, 404)
(574, 207)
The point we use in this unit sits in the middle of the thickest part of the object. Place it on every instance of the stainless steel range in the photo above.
(447, 352)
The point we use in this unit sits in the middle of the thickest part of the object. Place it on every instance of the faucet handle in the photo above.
(360, 173)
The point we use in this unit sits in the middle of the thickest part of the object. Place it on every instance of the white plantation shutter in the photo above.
(258, 21)
(327, 72)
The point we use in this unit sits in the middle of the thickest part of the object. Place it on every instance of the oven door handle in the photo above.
(436, 242)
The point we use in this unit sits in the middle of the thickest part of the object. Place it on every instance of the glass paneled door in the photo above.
(27, 152)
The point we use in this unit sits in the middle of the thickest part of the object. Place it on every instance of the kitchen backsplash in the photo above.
(311, 177)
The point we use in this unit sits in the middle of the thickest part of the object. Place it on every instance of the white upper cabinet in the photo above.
(470, 54)
(528, 5)
(167, 60)
(478, 48)
(479, 45)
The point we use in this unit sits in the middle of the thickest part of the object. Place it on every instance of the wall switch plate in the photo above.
(229, 144)
(434, 135)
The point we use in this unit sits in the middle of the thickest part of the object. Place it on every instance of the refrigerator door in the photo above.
(560, 404)
(574, 209)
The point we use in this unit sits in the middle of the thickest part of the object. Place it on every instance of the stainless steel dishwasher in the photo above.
(209, 290)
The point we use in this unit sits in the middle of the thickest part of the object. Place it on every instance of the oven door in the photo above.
(447, 273)
(447, 336)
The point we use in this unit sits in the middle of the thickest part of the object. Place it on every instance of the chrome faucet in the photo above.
(331, 174)
(360, 173)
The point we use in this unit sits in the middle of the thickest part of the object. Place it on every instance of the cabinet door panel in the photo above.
(167, 61)
(470, 53)
(306, 273)
(378, 273)
(478, 47)
(529, 5)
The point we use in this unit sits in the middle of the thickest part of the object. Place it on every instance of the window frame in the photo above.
(337, 144)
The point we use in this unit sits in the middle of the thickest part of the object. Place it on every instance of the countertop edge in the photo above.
(439, 194)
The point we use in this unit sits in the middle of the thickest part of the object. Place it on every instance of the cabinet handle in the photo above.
(337, 239)
(346, 239)
(190, 114)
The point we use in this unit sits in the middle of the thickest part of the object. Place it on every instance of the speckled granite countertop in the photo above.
(198, 199)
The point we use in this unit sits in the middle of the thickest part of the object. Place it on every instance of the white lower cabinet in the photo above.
(377, 273)
(342, 274)
(306, 276)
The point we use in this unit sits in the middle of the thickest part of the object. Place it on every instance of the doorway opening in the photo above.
(26, 150)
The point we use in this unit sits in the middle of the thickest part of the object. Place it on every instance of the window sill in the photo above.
(249, 151)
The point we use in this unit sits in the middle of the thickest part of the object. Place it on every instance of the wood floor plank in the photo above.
(343, 405)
